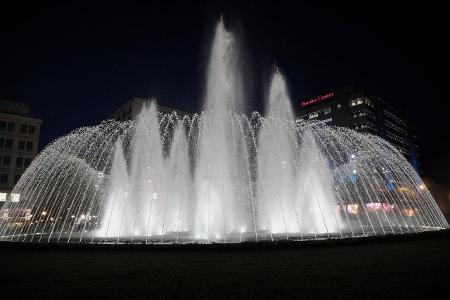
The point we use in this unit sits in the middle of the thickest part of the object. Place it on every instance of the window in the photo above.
(2, 142)
(6, 160)
(368, 102)
(11, 126)
(8, 143)
(27, 162)
(21, 145)
(3, 197)
(19, 162)
(31, 129)
(2, 125)
(4, 178)
(313, 115)
(23, 128)
(355, 102)
(17, 178)
(29, 146)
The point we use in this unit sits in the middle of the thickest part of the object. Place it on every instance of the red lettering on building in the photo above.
(317, 99)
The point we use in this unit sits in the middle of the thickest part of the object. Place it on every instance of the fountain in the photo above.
(217, 176)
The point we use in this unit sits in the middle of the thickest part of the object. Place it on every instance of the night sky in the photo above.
(75, 62)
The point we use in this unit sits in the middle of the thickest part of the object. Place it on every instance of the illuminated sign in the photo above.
(317, 99)
(352, 208)
(373, 206)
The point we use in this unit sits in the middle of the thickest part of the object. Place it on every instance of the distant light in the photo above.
(422, 186)
(72, 216)
(354, 171)
(352, 156)
(82, 217)
(44, 213)
(155, 196)
(149, 181)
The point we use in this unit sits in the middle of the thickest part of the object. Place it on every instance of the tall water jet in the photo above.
(148, 187)
(216, 189)
(178, 207)
(116, 206)
(315, 190)
(276, 190)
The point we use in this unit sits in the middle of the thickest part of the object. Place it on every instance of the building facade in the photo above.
(130, 109)
(19, 141)
(353, 108)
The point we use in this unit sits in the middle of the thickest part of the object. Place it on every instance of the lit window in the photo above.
(15, 197)
(3, 197)
(355, 102)
(313, 115)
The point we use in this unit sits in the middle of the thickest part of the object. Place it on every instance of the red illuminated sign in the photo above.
(317, 99)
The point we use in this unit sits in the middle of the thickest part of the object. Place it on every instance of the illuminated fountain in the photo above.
(218, 176)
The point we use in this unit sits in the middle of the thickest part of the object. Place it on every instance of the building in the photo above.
(130, 109)
(19, 140)
(353, 108)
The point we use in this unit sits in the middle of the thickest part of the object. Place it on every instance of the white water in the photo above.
(218, 176)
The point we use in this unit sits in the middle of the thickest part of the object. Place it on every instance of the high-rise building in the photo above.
(353, 108)
(19, 140)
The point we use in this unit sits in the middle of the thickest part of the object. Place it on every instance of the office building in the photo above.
(353, 108)
(19, 140)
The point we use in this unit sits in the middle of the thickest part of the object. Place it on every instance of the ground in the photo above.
(400, 268)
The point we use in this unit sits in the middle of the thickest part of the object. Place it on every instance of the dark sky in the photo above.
(75, 62)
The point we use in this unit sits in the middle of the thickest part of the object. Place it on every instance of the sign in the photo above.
(317, 99)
